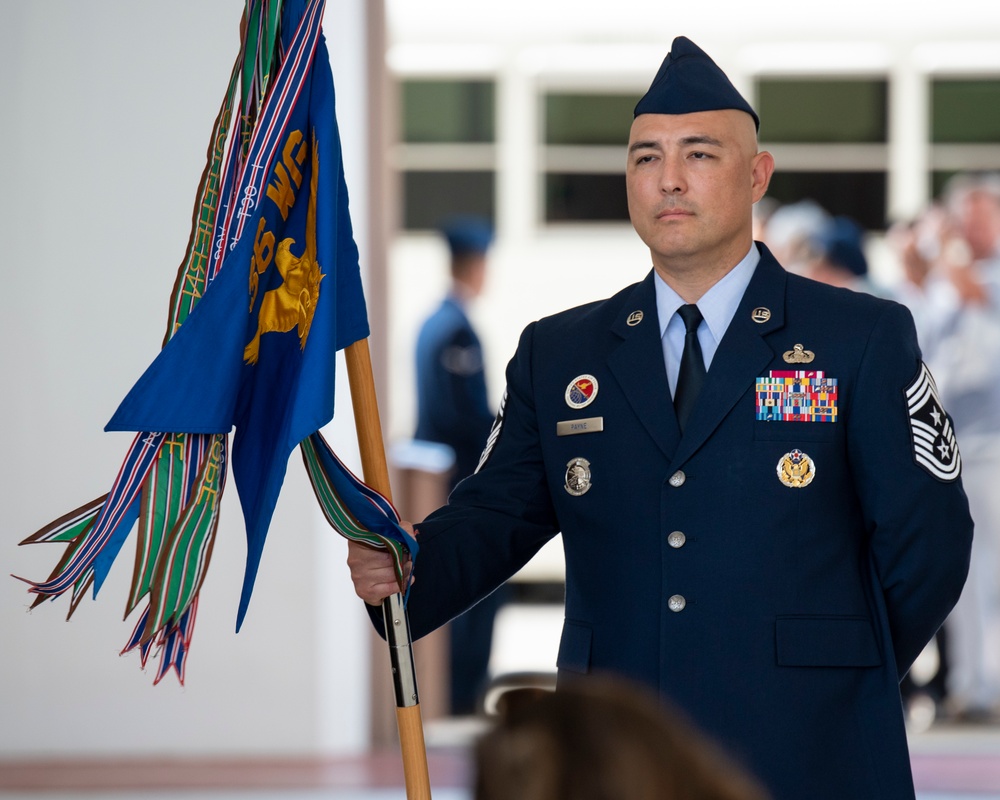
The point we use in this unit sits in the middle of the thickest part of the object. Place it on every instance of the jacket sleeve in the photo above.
(916, 515)
(495, 520)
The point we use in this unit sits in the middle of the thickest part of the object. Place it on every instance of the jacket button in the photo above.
(676, 602)
(678, 478)
(676, 539)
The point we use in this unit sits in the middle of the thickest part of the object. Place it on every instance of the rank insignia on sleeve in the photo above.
(934, 445)
(491, 441)
(796, 396)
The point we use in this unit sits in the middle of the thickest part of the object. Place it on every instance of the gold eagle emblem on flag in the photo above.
(293, 303)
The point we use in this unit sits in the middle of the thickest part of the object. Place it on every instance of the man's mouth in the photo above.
(674, 213)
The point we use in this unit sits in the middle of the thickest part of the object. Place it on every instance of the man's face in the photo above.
(692, 180)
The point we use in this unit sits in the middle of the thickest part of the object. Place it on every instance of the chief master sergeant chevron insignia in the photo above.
(934, 445)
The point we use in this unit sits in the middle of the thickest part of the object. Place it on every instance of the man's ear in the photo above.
(762, 167)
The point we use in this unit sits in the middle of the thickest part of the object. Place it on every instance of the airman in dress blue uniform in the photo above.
(774, 562)
(452, 405)
(452, 409)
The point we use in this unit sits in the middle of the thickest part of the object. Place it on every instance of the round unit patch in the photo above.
(796, 470)
(578, 477)
(581, 391)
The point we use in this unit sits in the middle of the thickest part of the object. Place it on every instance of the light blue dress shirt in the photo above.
(718, 307)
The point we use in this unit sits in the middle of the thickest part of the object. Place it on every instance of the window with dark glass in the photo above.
(584, 136)
(576, 197)
(806, 111)
(813, 115)
(965, 111)
(588, 119)
(430, 196)
(436, 116)
(859, 195)
(448, 111)
(964, 123)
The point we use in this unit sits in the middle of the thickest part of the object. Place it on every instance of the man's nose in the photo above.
(672, 177)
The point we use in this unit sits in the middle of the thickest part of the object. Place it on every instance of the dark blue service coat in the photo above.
(783, 618)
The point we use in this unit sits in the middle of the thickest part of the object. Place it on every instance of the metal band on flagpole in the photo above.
(376, 474)
(397, 634)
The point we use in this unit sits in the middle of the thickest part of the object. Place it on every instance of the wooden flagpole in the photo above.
(376, 474)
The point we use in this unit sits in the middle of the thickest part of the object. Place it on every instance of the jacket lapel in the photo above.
(637, 365)
(742, 355)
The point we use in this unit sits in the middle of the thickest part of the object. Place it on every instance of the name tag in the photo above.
(571, 427)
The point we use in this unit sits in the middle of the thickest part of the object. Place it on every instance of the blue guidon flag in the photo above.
(934, 445)
(269, 290)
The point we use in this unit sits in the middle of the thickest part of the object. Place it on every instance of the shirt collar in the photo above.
(718, 305)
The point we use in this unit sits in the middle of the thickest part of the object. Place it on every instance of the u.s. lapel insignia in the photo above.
(760, 314)
(798, 355)
(578, 477)
(634, 319)
(796, 470)
(582, 391)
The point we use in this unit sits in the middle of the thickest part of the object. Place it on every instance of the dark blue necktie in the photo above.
(692, 372)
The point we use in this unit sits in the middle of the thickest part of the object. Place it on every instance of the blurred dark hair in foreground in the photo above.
(601, 739)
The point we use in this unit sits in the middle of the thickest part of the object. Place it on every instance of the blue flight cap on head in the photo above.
(841, 243)
(467, 235)
(689, 81)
